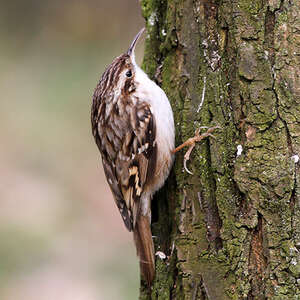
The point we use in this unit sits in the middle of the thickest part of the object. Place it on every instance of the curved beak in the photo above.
(130, 51)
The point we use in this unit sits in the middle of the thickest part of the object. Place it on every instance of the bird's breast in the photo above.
(165, 133)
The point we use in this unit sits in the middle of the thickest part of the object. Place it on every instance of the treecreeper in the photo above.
(133, 126)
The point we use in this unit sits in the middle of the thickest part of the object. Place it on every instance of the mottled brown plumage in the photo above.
(124, 132)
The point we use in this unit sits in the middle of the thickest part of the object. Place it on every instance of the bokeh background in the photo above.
(61, 236)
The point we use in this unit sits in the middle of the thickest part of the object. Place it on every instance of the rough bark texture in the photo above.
(232, 229)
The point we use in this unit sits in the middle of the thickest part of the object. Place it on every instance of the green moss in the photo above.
(147, 8)
(251, 7)
(163, 281)
(281, 18)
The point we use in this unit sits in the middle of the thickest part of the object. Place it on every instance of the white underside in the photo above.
(148, 91)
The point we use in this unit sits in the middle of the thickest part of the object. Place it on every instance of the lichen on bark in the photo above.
(231, 230)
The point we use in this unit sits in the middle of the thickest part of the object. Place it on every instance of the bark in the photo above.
(231, 230)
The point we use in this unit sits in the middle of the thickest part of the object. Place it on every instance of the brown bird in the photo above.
(133, 126)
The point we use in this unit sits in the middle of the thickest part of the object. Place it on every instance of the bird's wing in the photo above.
(126, 139)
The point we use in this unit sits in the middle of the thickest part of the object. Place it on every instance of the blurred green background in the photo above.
(61, 235)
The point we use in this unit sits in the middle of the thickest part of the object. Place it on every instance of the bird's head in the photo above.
(120, 74)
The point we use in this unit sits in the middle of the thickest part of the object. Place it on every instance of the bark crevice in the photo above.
(257, 262)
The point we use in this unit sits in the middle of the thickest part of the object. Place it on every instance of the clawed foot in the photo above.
(191, 142)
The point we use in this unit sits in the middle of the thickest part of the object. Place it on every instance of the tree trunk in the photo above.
(231, 229)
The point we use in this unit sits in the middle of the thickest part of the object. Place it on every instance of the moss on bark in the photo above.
(231, 230)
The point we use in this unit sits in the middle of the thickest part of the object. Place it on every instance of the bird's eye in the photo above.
(129, 73)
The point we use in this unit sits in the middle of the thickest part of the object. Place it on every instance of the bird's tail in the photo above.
(145, 248)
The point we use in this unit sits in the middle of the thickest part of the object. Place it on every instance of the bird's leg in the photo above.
(192, 141)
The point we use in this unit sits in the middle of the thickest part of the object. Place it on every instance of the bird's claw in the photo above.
(191, 142)
(187, 158)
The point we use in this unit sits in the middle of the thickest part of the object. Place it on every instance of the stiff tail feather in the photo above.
(145, 248)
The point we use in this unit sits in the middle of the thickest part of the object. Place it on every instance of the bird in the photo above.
(133, 127)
